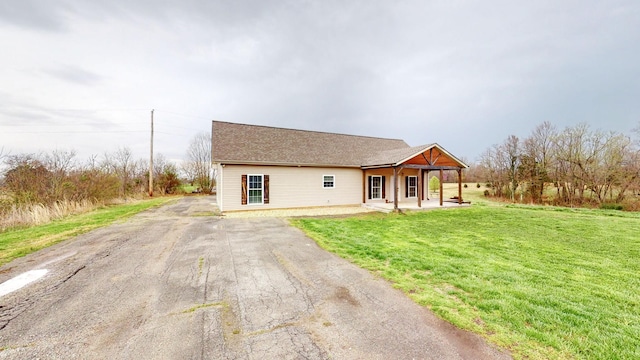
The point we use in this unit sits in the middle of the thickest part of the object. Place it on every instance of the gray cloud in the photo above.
(73, 74)
(464, 74)
(34, 14)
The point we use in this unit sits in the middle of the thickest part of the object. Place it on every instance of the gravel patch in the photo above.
(285, 213)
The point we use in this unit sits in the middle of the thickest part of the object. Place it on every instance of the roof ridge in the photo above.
(308, 131)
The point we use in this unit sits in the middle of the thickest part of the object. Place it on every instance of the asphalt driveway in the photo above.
(173, 283)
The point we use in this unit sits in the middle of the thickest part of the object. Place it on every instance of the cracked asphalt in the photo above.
(177, 283)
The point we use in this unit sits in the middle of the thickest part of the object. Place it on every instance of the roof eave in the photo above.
(378, 166)
(452, 157)
(276, 163)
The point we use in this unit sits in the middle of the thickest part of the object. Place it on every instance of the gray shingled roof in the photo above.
(395, 156)
(252, 144)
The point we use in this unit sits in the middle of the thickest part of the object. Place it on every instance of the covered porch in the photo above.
(408, 170)
(433, 203)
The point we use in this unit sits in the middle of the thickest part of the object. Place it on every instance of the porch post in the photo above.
(364, 186)
(395, 189)
(419, 188)
(459, 186)
(427, 182)
(441, 195)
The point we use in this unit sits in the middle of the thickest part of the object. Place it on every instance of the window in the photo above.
(328, 181)
(412, 186)
(255, 189)
(376, 187)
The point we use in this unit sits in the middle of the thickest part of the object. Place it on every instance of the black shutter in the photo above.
(244, 189)
(266, 189)
(370, 186)
(383, 188)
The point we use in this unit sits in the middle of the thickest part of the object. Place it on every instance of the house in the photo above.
(261, 167)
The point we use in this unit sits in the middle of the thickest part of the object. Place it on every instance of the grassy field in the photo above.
(470, 193)
(544, 283)
(20, 242)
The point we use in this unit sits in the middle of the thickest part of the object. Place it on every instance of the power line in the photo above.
(184, 115)
(75, 132)
(93, 132)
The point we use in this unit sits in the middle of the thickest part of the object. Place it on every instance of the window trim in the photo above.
(249, 189)
(380, 192)
(333, 182)
(415, 187)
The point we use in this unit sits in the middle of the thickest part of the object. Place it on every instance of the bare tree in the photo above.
(60, 163)
(573, 158)
(511, 149)
(491, 161)
(122, 164)
(3, 155)
(586, 166)
(198, 165)
(502, 163)
(537, 159)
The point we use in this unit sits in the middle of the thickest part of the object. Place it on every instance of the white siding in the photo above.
(219, 185)
(291, 187)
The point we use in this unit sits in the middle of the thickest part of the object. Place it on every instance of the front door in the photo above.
(376, 187)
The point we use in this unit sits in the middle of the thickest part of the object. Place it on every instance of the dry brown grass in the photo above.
(38, 214)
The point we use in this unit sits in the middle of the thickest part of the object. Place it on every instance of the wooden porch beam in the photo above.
(459, 186)
(395, 189)
(427, 160)
(419, 188)
(427, 183)
(433, 162)
(430, 167)
(441, 195)
(364, 187)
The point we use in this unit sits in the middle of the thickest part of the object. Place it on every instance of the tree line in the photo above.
(47, 178)
(575, 166)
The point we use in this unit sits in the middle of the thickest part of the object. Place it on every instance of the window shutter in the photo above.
(370, 187)
(383, 188)
(244, 189)
(266, 189)
(406, 186)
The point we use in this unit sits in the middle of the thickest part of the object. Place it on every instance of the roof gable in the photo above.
(253, 144)
(425, 155)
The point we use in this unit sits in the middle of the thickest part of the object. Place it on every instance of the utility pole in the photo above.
(151, 160)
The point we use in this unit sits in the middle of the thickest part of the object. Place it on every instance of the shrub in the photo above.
(466, 186)
(478, 185)
(487, 193)
(611, 206)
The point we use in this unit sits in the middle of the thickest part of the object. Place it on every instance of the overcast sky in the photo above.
(466, 74)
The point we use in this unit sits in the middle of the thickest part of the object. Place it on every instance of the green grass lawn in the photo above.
(543, 283)
(16, 243)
